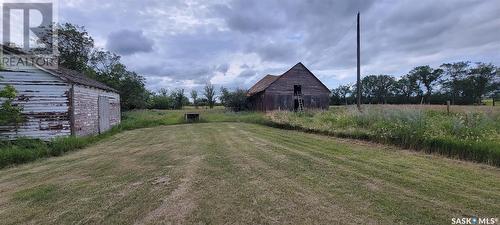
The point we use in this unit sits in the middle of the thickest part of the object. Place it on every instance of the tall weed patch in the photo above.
(465, 135)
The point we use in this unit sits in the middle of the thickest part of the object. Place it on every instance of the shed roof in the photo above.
(65, 74)
(76, 77)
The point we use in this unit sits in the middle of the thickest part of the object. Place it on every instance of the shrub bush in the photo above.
(234, 100)
(21, 151)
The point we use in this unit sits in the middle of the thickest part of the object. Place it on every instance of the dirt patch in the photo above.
(373, 185)
(180, 203)
(161, 181)
(139, 183)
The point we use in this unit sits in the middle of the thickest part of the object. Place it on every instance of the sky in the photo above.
(187, 43)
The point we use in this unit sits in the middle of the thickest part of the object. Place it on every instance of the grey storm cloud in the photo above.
(128, 42)
(223, 68)
(251, 16)
(247, 73)
(180, 72)
(192, 43)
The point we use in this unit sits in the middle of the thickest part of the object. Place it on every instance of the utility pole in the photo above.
(358, 84)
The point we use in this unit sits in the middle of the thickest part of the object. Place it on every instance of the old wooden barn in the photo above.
(60, 102)
(296, 89)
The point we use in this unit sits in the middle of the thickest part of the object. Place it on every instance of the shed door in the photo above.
(103, 114)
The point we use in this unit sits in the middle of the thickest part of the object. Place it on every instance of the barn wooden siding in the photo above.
(279, 94)
(86, 109)
(273, 101)
(256, 102)
(45, 100)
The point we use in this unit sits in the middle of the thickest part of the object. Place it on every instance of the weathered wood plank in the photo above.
(279, 94)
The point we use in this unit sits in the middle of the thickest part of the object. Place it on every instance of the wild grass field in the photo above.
(466, 132)
(241, 173)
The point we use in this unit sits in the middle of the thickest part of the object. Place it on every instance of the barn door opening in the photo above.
(103, 114)
(297, 90)
(297, 98)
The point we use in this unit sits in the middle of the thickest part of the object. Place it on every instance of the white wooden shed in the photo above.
(60, 102)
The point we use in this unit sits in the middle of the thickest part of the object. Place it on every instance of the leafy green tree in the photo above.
(343, 91)
(203, 102)
(453, 82)
(383, 87)
(428, 78)
(77, 52)
(163, 92)
(209, 93)
(160, 100)
(234, 100)
(194, 96)
(74, 44)
(405, 87)
(463, 83)
(103, 62)
(335, 98)
(414, 79)
(482, 79)
(133, 92)
(378, 87)
(224, 95)
(178, 98)
(368, 87)
(9, 114)
(106, 67)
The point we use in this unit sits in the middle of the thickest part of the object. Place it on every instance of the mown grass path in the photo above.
(237, 173)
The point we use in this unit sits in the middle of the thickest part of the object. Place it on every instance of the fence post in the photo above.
(448, 107)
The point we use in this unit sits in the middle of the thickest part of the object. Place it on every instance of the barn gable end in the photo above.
(300, 75)
(277, 92)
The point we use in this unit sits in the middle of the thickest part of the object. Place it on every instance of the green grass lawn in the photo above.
(240, 173)
(468, 132)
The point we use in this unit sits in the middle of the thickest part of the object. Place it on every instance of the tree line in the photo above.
(78, 52)
(459, 82)
(235, 100)
(463, 83)
(176, 99)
